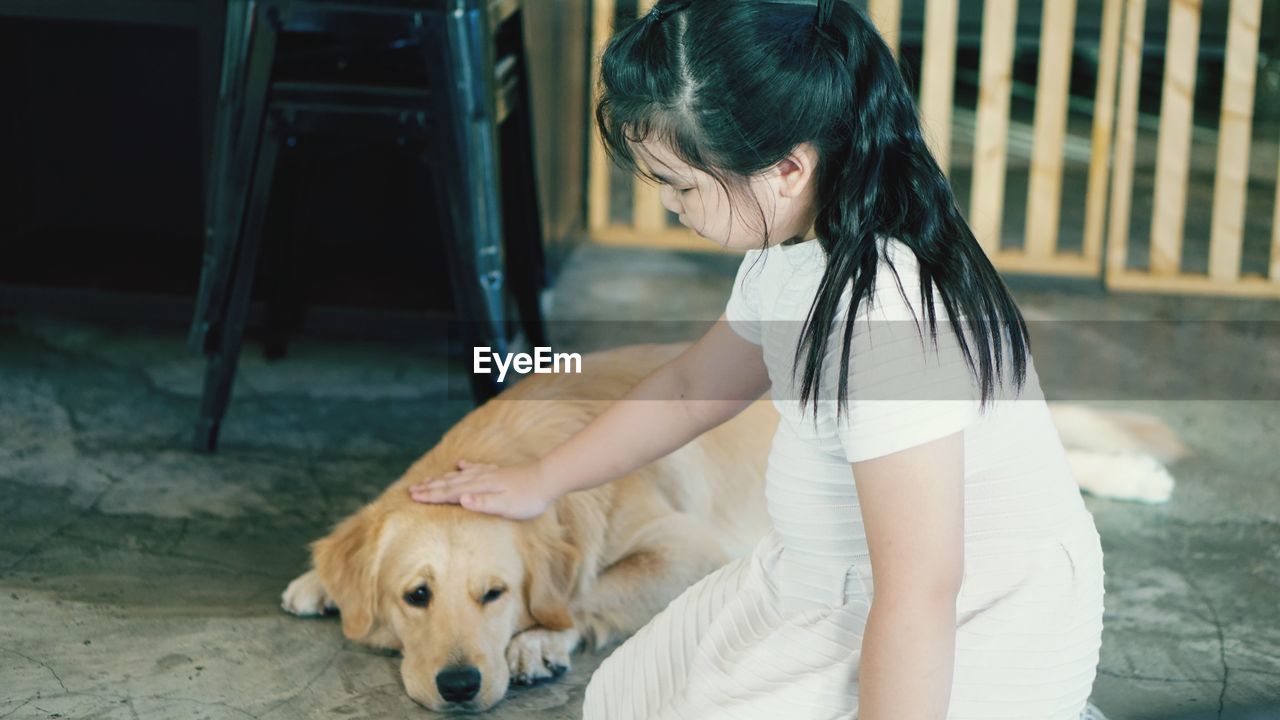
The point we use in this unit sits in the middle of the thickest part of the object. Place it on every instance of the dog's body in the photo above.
(598, 565)
(474, 601)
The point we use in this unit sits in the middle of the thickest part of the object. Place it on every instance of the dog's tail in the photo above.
(1116, 431)
(1118, 454)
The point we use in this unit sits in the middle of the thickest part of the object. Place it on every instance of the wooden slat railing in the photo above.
(1113, 154)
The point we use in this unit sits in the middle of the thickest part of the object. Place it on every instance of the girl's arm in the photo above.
(706, 385)
(713, 380)
(913, 510)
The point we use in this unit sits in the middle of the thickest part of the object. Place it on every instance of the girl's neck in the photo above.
(810, 234)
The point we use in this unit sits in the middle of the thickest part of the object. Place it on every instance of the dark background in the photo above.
(106, 112)
(103, 190)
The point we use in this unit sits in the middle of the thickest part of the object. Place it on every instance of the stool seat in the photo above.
(465, 115)
(363, 111)
(365, 13)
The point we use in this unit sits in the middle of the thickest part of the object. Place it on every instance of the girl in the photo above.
(930, 555)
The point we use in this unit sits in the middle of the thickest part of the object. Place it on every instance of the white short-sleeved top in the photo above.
(903, 389)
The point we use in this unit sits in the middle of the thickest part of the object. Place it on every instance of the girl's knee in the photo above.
(593, 700)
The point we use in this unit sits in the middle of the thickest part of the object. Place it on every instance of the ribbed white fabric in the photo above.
(778, 633)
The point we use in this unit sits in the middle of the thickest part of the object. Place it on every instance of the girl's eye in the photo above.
(678, 189)
(418, 597)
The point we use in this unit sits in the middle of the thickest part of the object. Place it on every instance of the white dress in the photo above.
(778, 633)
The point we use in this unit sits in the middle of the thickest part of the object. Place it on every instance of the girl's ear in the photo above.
(797, 170)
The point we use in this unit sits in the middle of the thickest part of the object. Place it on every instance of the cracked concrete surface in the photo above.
(141, 580)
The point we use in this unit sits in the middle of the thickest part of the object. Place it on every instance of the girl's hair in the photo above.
(732, 87)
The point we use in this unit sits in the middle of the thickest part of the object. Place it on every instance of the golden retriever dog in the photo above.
(474, 602)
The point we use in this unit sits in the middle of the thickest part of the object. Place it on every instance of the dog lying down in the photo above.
(475, 602)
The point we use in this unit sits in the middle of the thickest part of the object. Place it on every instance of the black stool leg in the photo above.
(463, 333)
(226, 116)
(526, 264)
(225, 356)
(246, 78)
(464, 149)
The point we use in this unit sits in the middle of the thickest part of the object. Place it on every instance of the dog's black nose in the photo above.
(458, 684)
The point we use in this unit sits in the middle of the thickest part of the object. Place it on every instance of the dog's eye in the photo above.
(418, 597)
(492, 595)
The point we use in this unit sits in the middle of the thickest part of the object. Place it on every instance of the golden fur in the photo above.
(596, 567)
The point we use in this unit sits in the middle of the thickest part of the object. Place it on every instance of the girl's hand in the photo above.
(516, 492)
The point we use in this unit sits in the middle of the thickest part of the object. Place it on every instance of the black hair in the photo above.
(733, 87)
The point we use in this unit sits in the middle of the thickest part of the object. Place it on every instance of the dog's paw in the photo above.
(1149, 480)
(305, 597)
(539, 654)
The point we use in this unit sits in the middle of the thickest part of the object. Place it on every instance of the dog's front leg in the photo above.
(306, 597)
(667, 556)
(541, 654)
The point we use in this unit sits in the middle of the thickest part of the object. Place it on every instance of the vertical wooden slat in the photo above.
(1173, 152)
(991, 141)
(1235, 132)
(1103, 120)
(598, 176)
(1044, 191)
(1126, 136)
(1274, 273)
(887, 15)
(937, 76)
(648, 214)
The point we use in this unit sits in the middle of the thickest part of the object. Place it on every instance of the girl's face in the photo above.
(783, 195)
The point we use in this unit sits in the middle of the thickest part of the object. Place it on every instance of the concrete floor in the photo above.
(141, 580)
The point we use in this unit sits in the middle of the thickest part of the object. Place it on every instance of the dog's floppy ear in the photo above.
(551, 570)
(347, 561)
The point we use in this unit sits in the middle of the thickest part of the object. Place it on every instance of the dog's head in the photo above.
(449, 588)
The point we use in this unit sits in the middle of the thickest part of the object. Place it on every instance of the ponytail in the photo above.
(880, 179)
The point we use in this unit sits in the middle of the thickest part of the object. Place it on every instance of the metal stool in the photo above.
(475, 85)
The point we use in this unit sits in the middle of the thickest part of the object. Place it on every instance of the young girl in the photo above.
(930, 555)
